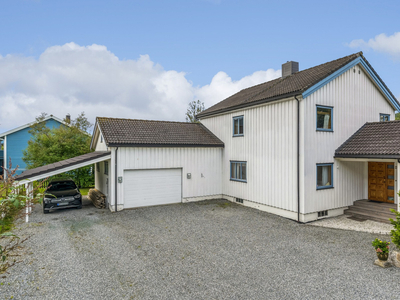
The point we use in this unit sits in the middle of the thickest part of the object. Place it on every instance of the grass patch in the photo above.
(85, 191)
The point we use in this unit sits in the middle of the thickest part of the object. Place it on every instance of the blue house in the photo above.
(16, 140)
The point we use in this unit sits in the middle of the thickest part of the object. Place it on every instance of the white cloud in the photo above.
(72, 78)
(381, 43)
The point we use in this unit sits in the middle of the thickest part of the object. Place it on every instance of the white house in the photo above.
(291, 146)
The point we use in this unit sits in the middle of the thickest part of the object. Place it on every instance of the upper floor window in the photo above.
(324, 176)
(384, 117)
(106, 167)
(101, 138)
(239, 171)
(324, 118)
(238, 126)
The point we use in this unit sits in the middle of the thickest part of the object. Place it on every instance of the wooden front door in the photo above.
(381, 181)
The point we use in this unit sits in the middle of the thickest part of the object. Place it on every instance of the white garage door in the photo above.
(152, 187)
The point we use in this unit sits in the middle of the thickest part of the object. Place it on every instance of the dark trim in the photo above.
(116, 180)
(316, 118)
(166, 145)
(247, 104)
(323, 187)
(372, 156)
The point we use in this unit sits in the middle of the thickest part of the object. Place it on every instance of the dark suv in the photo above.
(61, 193)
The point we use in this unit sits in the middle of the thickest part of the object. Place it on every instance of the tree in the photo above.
(50, 145)
(195, 107)
(397, 116)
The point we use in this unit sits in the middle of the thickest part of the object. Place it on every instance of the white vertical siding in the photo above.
(355, 101)
(204, 164)
(100, 178)
(269, 146)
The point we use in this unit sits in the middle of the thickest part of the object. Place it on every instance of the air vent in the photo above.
(239, 200)
(323, 213)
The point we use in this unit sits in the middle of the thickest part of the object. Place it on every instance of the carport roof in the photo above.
(146, 133)
(373, 140)
(64, 166)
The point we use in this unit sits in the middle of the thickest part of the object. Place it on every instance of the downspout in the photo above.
(298, 158)
(116, 178)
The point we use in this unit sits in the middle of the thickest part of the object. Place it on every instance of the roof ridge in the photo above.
(143, 120)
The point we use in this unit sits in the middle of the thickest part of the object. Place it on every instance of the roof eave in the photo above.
(373, 156)
(167, 145)
(248, 104)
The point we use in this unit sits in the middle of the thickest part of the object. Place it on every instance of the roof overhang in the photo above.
(30, 124)
(168, 145)
(372, 156)
(370, 72)
(62, 166)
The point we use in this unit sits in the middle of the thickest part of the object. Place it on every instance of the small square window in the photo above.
(324, 118)
(238, 129)
(239, 171)
(106, 167)
(324, 176)
(384, 117)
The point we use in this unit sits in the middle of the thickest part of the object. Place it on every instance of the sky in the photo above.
(149, 59)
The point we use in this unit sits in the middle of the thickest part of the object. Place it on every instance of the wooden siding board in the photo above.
(269, 146)
(356, 101)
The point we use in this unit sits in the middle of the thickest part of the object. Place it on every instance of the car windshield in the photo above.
(61, 186)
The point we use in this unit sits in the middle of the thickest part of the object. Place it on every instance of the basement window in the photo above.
(238, 126)
(384, 117)
(323, 213)
(239, 171)
(324, 118)
(324, 176)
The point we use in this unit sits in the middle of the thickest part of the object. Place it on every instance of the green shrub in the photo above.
(395, 233)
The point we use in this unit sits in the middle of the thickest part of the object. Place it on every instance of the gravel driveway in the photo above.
(204, 250)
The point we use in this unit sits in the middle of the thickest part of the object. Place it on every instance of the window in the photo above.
(239, 171)
(98, 167)
(106, 167)
(324, 118)
(324, 176)
(101, 138)
(384, 117)
(238, 126)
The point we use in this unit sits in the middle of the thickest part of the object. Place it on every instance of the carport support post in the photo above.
(28, 209)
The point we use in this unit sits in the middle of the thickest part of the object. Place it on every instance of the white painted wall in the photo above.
(356, 101)
(269, 146)
(204, 164)
(101, 179)
(99, 145)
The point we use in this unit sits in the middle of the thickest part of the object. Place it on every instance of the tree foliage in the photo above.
(195, 107)
(397, 116)
(50, 145)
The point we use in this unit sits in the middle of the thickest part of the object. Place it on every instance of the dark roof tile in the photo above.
(135, 133)
(378, 139)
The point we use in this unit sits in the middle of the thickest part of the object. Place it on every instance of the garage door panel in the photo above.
(152, 187)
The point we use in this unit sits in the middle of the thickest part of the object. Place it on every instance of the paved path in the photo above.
(205, 250)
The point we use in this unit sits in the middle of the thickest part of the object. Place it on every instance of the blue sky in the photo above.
(114, 58)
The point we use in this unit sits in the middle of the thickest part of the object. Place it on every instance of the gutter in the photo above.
(298, 158)
(116, 178)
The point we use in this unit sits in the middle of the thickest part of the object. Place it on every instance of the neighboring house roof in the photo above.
(29, 125)
(77, 161)
(145, 133)
(373, 140)
(300, 83)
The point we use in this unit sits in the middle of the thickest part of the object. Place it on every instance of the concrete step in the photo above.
(367, 215)
(373, 211)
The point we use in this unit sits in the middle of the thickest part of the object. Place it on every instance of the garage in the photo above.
(152, 187)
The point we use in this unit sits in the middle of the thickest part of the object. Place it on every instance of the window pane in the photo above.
(324, 176)
(241, 125)
(233, 170)
(237, 171)
(243, 175)
(324, 118)
(235, 126)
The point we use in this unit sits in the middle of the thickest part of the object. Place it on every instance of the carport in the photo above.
(29, 176)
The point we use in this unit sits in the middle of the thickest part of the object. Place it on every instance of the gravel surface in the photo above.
(204, 250)
(343, 222)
